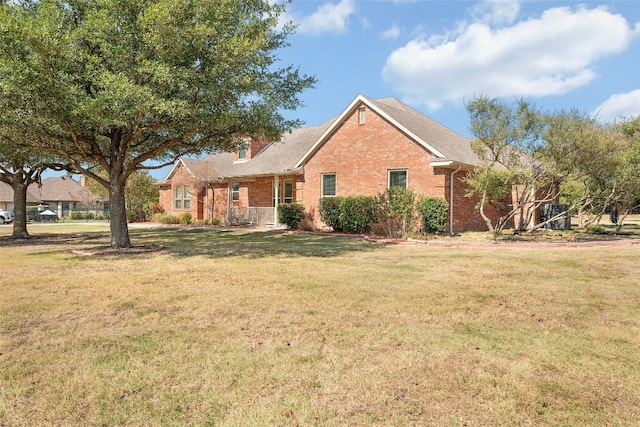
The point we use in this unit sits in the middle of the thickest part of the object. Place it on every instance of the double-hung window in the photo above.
(186, 199)
(398, 178)
(178, 198)
(328, 185)
(288, 191)
(182, 198)
(235, 191)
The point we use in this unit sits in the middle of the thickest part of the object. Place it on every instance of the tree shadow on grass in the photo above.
(251, 244)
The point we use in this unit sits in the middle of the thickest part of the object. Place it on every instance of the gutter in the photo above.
(452, 176)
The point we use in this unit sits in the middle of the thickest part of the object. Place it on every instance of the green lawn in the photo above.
(251, 329)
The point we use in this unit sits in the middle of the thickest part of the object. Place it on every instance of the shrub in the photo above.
(165, 218)
(434, 211)
(185, 218)
(216, 221)
(307, 224)
(290, 214)
(595, 229)
(89, 215)
(76, 215)
(357, 213)
(399, 206)
(329, 209)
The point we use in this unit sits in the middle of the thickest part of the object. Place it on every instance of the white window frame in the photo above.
(181, 198)
(186, 199)
(235, 193)
(335, 184)
(362, 115)
(177, 198)
(406, 177)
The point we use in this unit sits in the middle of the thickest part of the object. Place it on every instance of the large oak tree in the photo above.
(113, 85)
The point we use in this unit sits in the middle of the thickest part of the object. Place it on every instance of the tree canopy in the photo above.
(115, 84)
(530, 158)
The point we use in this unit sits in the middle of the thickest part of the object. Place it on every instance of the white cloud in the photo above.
(328, 18)
(496, 11)
(549, 55)
(391, 33)
(620, 105)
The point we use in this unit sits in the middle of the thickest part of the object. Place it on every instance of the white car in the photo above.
(5, 216)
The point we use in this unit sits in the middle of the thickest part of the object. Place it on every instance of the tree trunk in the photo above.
(118, 214)
(20, 209)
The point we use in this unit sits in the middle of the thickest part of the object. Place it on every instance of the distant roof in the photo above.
(6, 194)
(288, 155)
(63, 189)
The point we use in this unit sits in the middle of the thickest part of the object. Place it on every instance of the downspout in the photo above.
(451, 199)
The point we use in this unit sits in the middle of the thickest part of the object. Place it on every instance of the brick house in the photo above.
(372, 145)
(61, 195)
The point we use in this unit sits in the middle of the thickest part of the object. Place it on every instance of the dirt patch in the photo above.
(49, 239)
(107, 250)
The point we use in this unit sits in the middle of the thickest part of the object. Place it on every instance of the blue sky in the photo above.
(437, 55)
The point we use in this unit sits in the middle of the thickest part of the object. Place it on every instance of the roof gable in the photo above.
(443, 143)
(288, 155)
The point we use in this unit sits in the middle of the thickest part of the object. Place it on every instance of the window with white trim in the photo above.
(329, 185)
(398, 178)
(186, 199)
(182, 198)
(362, 116)
(235, 191)
(242, 150)
(178, 198)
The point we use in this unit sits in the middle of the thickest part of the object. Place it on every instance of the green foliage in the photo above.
(434, 212)
(165, 218)
(397, 211)
(137, 81)
(185, 218)
(329, 210)
(141, 194)
(354, 214)
(595, 229)
(290, 214)
(76, 215)
(357, 213)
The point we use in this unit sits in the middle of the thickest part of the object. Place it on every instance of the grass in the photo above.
(253, 329)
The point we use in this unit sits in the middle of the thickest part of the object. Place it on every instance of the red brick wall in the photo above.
(362, 155)
(167, 194)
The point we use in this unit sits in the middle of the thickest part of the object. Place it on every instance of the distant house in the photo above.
(6, 197)
(61, 195)
(371, 146)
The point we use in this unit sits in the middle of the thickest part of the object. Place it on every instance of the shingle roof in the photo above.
(62, 189)
(296, 147)
(6, 194)
(54, 189)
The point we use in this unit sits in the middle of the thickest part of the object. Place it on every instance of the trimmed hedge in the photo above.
(290, 214)
(329, 210)
(353, 214)
(390, 213)
(434, 211)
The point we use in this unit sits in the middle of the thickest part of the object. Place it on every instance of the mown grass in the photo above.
(251, 329)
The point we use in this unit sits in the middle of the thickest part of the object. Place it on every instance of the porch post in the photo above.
(276, 199)
(229, 196)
